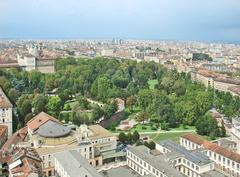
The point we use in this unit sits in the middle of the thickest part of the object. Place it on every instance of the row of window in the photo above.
(214, 156)
(102, 140)
(223, 160)
(142, 163)
(141, 171)
(190, 164)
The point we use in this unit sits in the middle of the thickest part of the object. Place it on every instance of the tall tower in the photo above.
(6, 112)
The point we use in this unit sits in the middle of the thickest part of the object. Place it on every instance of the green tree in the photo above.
(100, 88)
(13, 95)
(122, 137)
(223, 130)
(206, 125)
(151, 145)
(130, 102)
(179, 88)
(39, 103)
(54, 106)
(135, 136)
(141, 116)
(25, 108)
(129, 137)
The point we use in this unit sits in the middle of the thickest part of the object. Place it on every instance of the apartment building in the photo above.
(235, 132)
(48, 136)
(72, 164)
(6, 112)
(216, 81)
(147, 162)
(189, 163)
(226, 161)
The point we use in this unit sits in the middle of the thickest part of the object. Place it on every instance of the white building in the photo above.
(72, 164)
(6, 112)
(34, 60)
(49, 136)
(226, 161)
(235, 133)
(145, 162)
(107, 52)
(190, 163)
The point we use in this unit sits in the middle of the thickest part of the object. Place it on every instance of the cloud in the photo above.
(173, 19)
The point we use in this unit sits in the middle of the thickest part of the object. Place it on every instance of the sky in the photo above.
(187, 20)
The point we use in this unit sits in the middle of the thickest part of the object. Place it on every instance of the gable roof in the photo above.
(4, 101)
(40, 119)
(213, 147)
(17, 137)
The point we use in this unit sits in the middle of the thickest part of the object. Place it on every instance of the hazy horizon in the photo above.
(174, 20)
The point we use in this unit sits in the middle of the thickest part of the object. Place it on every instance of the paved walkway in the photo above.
(162, 131)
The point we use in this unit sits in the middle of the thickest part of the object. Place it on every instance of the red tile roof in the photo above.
(3, 130)
(4, 101)
(30, 162)
(17, 137)
(213, 147)
(38, 120)
(193, 138)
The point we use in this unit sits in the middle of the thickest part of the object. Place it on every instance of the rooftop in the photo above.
(3, 129)
(17, 137)
(157, 162)
(4, 101)
(75, 165)
(193, 156)
(213, 147)
(39, 120)
(99, 132)
(25, 161)
(123, 171)
(52, 129)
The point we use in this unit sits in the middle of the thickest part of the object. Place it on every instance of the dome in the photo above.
(53, 129)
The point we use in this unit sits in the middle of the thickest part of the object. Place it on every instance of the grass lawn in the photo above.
(167, 136)
(152, 83)
(134, 110)
(173, 136)
(139, 128)
(72, 104)
(187, 127)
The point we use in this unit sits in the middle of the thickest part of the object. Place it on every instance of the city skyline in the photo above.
(185, 20)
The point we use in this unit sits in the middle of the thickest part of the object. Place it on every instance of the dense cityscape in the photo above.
(119, 88)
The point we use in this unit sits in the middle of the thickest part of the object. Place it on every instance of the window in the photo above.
(192, 166)
(96, 162)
